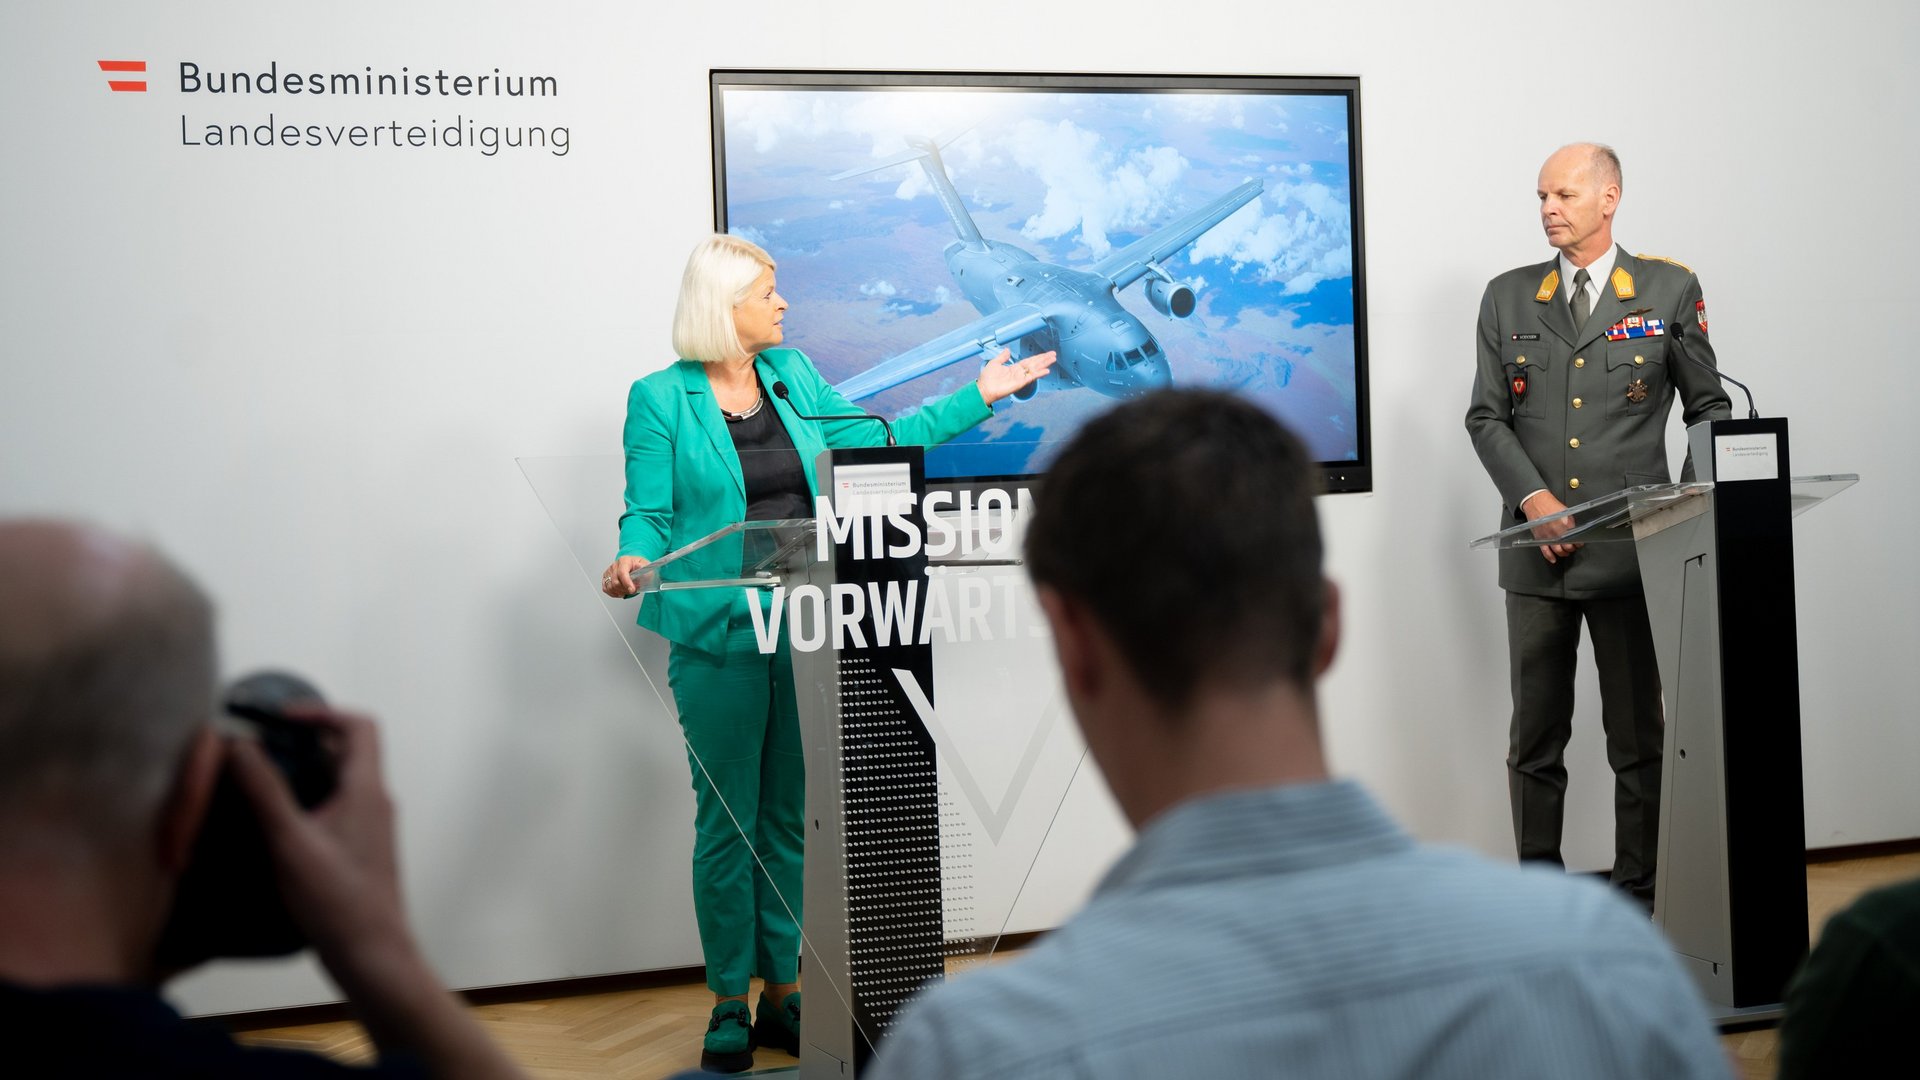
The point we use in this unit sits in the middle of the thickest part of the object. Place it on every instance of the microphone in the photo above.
(1680, 335)
(780, 391)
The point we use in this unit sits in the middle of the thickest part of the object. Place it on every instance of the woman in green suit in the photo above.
(709, 444)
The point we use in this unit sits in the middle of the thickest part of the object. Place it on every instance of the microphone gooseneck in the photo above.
(1680, 335)
(780, 391)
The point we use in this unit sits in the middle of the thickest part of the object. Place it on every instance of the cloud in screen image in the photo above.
(1230, 209)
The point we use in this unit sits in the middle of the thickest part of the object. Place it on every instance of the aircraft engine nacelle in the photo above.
(1170, 298)
(1050, 381)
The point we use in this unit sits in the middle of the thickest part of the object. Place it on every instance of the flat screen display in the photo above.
(1151, 230)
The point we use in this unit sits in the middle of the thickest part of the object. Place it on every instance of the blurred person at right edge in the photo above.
(1850, 1011)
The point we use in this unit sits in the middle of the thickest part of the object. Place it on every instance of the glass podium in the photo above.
(1716, 564)
(935, 763)
(1630, 513)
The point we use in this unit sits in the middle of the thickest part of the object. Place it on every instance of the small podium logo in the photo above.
(125, 86)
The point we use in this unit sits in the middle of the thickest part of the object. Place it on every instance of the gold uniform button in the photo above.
(1575, 443)
(1639, 359)
(1574, 483)
(1520, 360)
(1579, 361)
(1576, 403)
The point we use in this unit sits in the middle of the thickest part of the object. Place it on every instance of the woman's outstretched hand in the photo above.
(1004, 375)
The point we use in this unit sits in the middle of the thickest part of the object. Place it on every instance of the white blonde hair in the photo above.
(720, 273)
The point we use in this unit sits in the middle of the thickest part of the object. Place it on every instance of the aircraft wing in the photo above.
(988, 333)
(1129, 264)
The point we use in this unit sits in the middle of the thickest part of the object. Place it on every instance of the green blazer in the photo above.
(684, 480)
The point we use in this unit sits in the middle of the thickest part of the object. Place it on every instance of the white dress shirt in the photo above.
(1600, 270)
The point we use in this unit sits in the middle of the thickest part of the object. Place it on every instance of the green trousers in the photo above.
(749, 785)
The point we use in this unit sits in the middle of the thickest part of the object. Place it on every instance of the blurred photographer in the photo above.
(108, 763)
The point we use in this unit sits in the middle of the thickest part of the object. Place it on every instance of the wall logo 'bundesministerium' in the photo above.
(325, 110)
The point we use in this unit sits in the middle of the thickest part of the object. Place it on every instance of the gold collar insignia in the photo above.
(1548, 286)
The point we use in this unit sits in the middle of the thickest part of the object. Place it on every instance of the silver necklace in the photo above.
(759, 399)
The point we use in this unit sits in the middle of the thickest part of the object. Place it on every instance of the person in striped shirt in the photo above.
(1269, 919)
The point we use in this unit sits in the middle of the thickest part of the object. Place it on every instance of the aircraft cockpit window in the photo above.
(1113, 362)
(1133, 356)
(1150, 348)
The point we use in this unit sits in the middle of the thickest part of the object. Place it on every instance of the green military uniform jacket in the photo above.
(684, 480)
(1566, 409)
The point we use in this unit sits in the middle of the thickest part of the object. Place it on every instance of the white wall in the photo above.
(308, 376)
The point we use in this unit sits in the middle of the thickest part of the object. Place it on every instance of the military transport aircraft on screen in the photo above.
(1031, 306)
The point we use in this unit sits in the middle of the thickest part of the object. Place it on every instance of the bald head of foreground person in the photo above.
(107, 756)
(108, 761)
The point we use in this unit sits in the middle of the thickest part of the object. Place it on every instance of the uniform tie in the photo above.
(1582, 303)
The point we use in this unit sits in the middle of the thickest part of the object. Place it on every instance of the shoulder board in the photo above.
(1548, 286)
(1664, 259)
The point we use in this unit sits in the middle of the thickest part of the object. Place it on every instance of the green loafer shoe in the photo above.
(729, 1045)
(779, 1027)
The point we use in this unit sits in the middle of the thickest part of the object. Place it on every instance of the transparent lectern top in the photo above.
(1617, 517)
(1810, 491)
(766, 548)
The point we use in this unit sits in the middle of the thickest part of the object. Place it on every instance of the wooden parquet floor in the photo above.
(628, 1035)
(643, 1034)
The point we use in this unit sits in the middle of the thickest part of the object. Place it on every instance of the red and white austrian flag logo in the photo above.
(117, 72)
(1700, 312)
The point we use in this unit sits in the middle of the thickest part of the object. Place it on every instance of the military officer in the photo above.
(1579, 362)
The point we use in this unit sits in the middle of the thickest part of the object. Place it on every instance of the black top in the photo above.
(776, 482)
(116, 1031)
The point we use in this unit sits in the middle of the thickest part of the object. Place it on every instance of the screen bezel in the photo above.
(1346, 476)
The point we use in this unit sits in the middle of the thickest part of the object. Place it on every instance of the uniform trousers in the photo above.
(749, 782)
(1543, 640)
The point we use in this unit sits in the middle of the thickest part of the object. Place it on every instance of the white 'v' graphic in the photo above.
(993, 818)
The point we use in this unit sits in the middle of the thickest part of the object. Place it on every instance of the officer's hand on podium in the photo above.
(1542, 504)
(620, 579)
